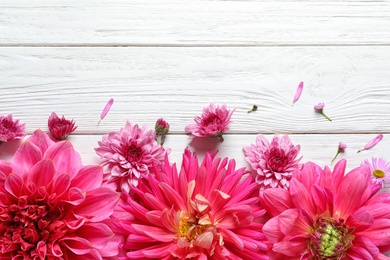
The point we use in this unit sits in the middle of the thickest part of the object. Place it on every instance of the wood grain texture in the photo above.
(176, 83)
(193, 23)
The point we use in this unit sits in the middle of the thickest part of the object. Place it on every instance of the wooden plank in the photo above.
(194, 23)
(176, 83)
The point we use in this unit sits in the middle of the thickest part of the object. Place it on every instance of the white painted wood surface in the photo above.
(171, 58)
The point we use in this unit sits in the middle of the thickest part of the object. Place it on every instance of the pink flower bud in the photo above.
(320, 109)
(298, 92)
(60, 128)
(372, 143)
(106, 109)
(341, 149)
(161, 127)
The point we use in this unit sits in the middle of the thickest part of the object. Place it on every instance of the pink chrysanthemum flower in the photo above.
(51, 206)
(129, 155)
(380, 170)
(10, 129)
(214, 121)
(273, 162)
(206, 211)
(60, 128)
(328, 215)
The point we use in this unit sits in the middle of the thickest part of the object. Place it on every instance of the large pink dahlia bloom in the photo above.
(129, 154)
(328, 215)
(273, 162)
(52, 207)
(206, 211)
(214, 121)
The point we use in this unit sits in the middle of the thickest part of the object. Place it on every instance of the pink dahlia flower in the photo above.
(129, 155)
(60, 128)
(273, 162)
(214, 121)
(380, 170)
(10, 129)
(328, 215)
(51, 206)
(206, 211)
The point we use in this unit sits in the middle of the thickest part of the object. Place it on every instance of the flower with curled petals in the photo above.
(214, 121)
(327, 215)
(10, 129)
(273, 162)
(60, 128)
(51, 206)
(129, 154)
(207, 211)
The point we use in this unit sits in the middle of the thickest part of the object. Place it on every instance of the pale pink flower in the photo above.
(60, 128)
(129, 154)
(298, 92)
(10, 129)
(207, 211)
(327, 215)
(341, 148)
(106, 109)
(53, 207)
(380, 170)
(372, 143)
(214, 121)
(273, 162)
(320, 109)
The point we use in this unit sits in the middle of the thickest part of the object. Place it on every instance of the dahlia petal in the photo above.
(41, 140)
(88, 178)
(42, 173)
(12, 185)
(155, 252)
(172, 196)
(359, 253)
(275, 201)
(378, 233)
(361, 220)
(112, 248)
(61, 184)
(98, 205)
(205, 240)
(41, 249)
(233, 238)
(98, 234)
(323, 198)
(25, 158)
(65, 158)
(158, 234)
(300, 196)
(287, 248)
(287, 220)
(271, 230)
(75, 196)
(78, 245)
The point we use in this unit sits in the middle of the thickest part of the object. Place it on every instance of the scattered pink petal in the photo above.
(298, 92)
(106, 109)
(372, 143)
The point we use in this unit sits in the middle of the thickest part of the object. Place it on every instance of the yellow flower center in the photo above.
(190, 228)
(378, 173)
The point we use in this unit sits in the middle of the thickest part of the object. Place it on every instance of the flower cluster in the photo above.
(137, 204)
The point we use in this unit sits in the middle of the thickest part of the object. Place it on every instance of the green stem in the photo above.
(326, 116)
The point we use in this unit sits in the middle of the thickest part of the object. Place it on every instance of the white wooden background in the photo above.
(171, 58)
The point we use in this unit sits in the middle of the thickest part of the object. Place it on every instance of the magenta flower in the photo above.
(106, 109)
(129, 155)
(320, 109)
(10, 129)
(340, 149)
(214, 121)
(162, 128)
(206, 211)
(380, 170)
(273, 162)
(60, 128)
(328, 215)
(298, 92)
(51, 206)
(372, 143)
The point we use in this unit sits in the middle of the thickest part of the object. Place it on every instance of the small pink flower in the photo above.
(214, 121)
(162, 128)
(129, 155)
(372, 143)
(60, 128)
(380, 170)
(10, 129)
(327, 215)
(320, 109)
(298, 92)
(204, 211)
(53, 207)
(106, 109)
(340, 149)
(273, 162)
